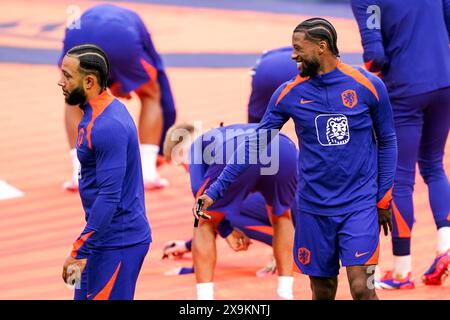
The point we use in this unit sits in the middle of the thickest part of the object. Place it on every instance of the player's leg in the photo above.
(72, 117)
(316, 253)
(112, 274)
(323, 288)
(279, 191)
(431, 153)
(283, 238)
(359, 243)
(132, 259)
(361, 281)
(204, 254)
(150, 131)
(408, 124)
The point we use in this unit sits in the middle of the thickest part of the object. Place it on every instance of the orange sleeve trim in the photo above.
(448, 217)
(106, 291)
(403, 230)
(263, 229)
(385, 202)
(359, 77)
(202, 188)
(79, 243)
(98, 104)
(373, 260)
(289, 87)
(151, 70)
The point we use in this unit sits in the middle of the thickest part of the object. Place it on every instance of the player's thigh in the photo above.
(316, 245)
(131, 264)
(113, 273)
(435, 130)
(408, 119)
(359, 238)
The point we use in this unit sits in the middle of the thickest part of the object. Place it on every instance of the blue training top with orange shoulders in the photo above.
(110, 180)
(347, 156)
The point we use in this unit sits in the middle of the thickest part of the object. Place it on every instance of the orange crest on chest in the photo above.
(349, 98)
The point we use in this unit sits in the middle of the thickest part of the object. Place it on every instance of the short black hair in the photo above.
(92, 60)
(317, 29)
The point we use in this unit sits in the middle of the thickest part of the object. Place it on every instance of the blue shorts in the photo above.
(253, 219)
(111, 274)
(321, 241)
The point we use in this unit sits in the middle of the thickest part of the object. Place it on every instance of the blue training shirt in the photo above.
(110, 180)
(348, 148)
(409, 45)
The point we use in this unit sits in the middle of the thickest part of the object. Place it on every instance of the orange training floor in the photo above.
(37, 230)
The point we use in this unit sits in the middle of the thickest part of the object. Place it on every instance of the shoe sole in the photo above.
(442, 269)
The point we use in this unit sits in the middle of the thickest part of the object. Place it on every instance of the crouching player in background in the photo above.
(205, 159)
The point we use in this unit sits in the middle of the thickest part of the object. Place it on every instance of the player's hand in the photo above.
(72, 270)
(385, 220)
(174, 249)
(200, 212)
(237, 240)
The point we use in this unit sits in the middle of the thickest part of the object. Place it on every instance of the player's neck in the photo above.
(91, 94)
(328, 64)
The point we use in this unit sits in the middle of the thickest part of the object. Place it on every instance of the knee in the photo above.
(324, 290)
(431, 170)
(403, 183)
(361, 291)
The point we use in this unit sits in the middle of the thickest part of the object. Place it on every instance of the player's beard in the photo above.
(310, 68)
(76, 97)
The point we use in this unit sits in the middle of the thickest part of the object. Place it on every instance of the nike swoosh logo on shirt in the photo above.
(303, 101)
(358, 255)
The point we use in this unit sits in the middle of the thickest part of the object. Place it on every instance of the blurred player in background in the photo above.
(272, 69)
(347, 154)
(111, 249)
(135, 66)
(278, 191)
(409, 47)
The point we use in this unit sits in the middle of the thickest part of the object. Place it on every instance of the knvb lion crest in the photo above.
(349, 98)
(332, 129)
(337, 130)
(304, 256)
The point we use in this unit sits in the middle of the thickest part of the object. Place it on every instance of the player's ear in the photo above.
(89, 81)
(322, 46)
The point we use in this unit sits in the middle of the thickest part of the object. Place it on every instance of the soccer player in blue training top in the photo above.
(111, 249)
(409, 46)
(135, 66)
(347, 159)
(206, 158)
